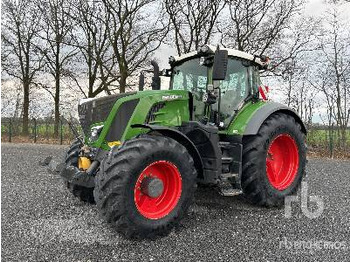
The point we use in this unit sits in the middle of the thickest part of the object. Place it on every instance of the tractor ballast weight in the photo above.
(144, 152)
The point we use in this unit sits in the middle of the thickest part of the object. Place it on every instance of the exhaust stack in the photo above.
(155, 79)
(141, 81)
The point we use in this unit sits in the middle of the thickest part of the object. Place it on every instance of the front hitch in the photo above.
(77, 177)
(53, 166)
(72, 174)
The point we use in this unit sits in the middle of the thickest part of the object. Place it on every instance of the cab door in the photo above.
(234, 90)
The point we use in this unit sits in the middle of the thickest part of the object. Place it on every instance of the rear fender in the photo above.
(264, 112)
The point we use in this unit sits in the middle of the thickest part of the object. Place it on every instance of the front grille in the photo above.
(121, 120)
(96, 110)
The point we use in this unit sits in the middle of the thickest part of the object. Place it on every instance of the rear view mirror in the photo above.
(220, 64)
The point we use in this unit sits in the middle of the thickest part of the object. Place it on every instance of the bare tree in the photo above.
(323, 84)
(299, 93)
(135, 30)
(20, 57)
(91, 37)
(256, 24)
(271, 27)
(335, 46)
(56, 33)
(11, 99)
(192, 22)
(330, 75)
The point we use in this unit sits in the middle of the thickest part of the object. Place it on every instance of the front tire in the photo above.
(145, 187)
(273, 161)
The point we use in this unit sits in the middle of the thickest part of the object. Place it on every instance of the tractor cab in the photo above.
(220, 80)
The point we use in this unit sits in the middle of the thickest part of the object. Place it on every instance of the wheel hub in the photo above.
(152, 186)
(158, 189)
(282, 161)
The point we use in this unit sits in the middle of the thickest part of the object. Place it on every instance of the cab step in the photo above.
(230, 192)
(226, 160)
(226, 183)
(228, 176)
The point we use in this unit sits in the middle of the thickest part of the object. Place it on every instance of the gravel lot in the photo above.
(42, 221)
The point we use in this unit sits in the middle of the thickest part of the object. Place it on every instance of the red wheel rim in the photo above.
(159, 207)
(282, 162)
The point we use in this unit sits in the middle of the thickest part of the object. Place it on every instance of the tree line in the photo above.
(99, 45)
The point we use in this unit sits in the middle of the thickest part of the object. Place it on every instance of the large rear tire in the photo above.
(273, 161)
(83, 193)
(145, 187)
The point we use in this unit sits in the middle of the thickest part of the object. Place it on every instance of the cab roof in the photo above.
(262, 61)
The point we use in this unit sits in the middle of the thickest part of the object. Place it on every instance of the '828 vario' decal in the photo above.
(171, 97)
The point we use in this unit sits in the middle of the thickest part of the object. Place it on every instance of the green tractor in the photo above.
(143, 153)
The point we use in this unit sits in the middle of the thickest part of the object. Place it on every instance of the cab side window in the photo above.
(234, 89)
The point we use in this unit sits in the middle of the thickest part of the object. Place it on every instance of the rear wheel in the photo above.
(83, 193)
(145, 187)
(273, 161)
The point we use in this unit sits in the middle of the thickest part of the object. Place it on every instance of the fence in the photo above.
(40, 131)
(322, 140)
(328, 141)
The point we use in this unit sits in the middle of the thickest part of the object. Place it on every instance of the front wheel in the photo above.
(273, 161)
(145, 187)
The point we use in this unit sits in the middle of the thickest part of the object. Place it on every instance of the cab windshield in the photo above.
(190, 76)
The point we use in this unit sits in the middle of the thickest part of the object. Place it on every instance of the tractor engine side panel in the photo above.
(121, 120)
(135, 109)
(166, 109)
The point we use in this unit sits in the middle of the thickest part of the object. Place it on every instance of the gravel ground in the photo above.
(42, 221)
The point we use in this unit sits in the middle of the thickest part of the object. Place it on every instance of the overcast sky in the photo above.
(313, 8)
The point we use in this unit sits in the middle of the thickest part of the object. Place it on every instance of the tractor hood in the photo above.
(96, 110)
(113, 116)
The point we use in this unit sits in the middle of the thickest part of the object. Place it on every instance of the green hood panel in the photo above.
(174, 111)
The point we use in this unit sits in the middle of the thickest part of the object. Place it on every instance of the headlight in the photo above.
(95, 132)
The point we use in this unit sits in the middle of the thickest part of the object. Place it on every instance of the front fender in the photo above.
(179, 137)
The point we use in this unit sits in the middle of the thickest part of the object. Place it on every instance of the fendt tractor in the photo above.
(143, 153)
